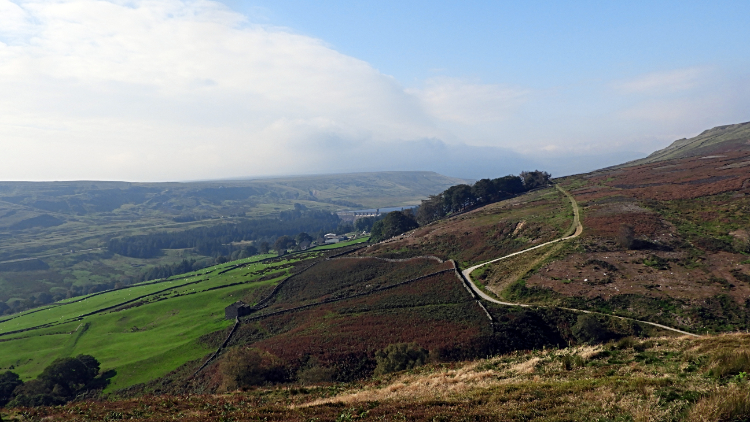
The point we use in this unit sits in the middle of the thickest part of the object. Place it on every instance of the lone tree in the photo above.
(394, 224)
(70, 375)
(303, 237)
(535, 179)
(283, 243)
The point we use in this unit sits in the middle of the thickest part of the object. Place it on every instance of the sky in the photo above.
(174, 90)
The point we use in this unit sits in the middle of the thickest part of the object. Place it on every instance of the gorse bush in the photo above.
(588, 329)
(243, 368)
(625, 343)
(313, 373)
(400, 357)
(572, 361)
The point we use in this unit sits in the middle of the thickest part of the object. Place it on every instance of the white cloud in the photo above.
(663, 82)
(456, 100)
(94, 88)
(187, 89)
(13, 19)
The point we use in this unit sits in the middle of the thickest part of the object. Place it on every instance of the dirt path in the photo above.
(577, 229)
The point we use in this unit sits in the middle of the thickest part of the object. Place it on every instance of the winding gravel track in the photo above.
(578, 230)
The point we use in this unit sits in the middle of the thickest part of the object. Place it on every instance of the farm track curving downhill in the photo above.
(578, 229)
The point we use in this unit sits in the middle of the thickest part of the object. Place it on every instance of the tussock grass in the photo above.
(725, 404)
(730, 362)
(628, 379)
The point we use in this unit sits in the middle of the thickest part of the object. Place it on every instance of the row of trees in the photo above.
(485, 191)
(454, 199)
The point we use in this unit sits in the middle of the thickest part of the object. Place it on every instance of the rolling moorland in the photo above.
(65, 239)
(392, 331)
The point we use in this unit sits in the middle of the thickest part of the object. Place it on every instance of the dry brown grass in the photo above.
(440, 384)
(635, 380)
(725, 404)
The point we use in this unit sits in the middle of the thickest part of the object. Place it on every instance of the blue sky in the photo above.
(544, 45)
(195, 89)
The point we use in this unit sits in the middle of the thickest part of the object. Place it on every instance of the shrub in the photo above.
(313, 373)
(625, 343)
(713, 244)
(588, 329)
(242, 368)
(400, 357)
(741, 241)
(657, 262)
(572, 361)
(643, 346)
(34, 393)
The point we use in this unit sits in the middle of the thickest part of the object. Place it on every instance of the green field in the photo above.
(146, 341)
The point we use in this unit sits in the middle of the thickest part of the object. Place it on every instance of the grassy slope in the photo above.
(661, 379)
(718, 138)
(142, 342)
(488, 232)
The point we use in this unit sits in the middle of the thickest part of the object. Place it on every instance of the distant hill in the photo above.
(55, 236)
(714, 141)
(23, 200)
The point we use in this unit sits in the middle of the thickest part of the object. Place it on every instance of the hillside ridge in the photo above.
(716, 140)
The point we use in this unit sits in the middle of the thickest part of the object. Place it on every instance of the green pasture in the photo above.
(142, 342)
(76, 307)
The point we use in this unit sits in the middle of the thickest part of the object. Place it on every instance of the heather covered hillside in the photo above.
(719, 140)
